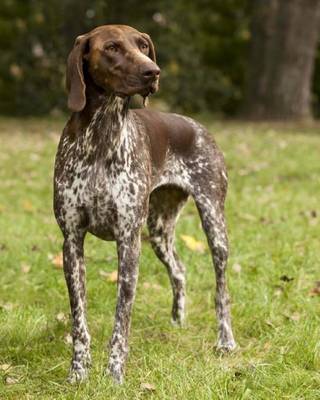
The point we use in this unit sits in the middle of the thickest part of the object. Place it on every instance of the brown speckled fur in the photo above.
(118, 168)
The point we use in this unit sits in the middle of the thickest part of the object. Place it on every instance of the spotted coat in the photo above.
(116, 169)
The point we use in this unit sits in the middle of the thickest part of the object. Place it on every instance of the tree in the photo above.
(283, 48)
(201, 47)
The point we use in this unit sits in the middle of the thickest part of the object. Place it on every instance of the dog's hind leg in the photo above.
(165, 204)
(211, 210)
(74, 270)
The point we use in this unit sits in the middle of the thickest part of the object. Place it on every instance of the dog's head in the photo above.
(118, 58)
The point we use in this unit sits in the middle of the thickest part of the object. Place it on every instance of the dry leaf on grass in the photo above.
(311, 216)
(193, 244)
(25, 268)
(5, 367)
(6, 306)
(10, 380)
(27, 206)
(316, 290)
(61, 317)
(236, 268)
(67, 338)
(292, 317)
(147, 386)
(295, 317)
(278, 291)
(56, 260)
(109, 276)
(270, 323)
(267, 346)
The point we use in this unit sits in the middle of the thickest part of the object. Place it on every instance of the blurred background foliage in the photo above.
(202, 48)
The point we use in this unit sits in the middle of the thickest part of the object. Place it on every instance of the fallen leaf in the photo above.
(56, 260)
(5, 367)
(267, 346)
(113, 276)
(316, 290)
(147, 386)
(295, 317)
(10, 380)
(25, 268)
(278, 291)
(61, 317)
(193, 244)
(236, 268)
(68, 338)
(6, 306)
(109, 276)
(311, 215)
(270, 323)
(27, 206)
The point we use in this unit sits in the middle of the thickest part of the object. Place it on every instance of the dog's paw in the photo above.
(178, 322)
(178, 317)
(115, 371)
(77, 373)
(225, 346)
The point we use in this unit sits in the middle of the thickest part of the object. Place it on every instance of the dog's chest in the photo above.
(109, 183)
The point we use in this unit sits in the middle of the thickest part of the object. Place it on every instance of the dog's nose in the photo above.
(150, 72)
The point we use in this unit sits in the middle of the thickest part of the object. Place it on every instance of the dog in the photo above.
(117, 168)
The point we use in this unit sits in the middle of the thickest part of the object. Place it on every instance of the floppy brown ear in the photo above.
(152, 53)
(74, 78)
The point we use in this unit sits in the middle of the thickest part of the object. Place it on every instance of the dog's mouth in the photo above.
(134, 85)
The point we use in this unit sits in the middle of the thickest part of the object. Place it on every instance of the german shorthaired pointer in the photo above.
(118, 168)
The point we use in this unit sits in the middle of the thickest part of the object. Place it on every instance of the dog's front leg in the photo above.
(74, 269)
(128, 257)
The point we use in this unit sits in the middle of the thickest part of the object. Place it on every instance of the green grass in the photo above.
(273, 217)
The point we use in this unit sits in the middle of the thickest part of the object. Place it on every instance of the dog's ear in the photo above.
(74, 78)
(152, 53)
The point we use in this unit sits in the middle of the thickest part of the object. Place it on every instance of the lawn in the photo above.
(273, 217)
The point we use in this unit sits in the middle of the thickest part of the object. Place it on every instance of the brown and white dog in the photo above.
(118, 168)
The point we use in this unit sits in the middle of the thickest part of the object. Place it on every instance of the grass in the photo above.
(273, 218)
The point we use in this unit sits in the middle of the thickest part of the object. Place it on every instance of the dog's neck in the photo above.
(108, 115)
(99, 101)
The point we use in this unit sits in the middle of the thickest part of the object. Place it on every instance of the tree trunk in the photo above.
(284, 41)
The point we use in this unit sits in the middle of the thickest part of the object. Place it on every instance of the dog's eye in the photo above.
(111, 48)
(144, 46)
